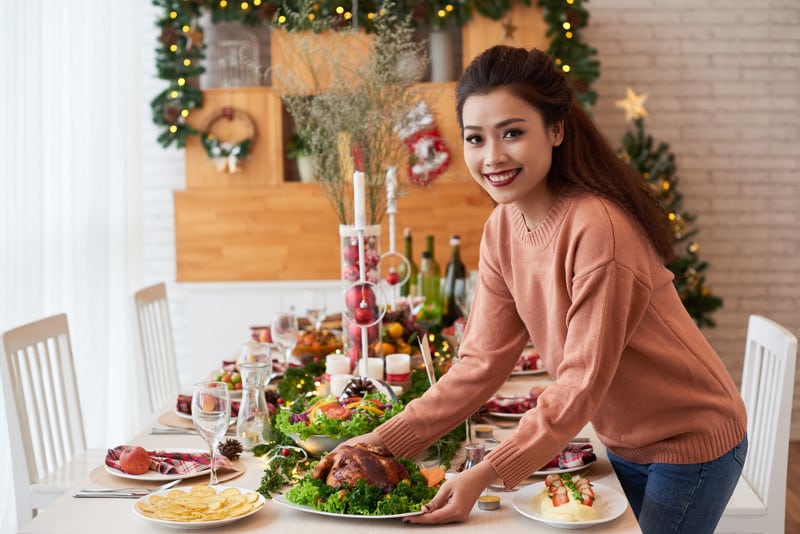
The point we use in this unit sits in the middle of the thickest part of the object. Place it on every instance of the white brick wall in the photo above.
(723, 79)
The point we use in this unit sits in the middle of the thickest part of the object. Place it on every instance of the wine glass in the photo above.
(314, 302)
(211, 413)
(284, 332)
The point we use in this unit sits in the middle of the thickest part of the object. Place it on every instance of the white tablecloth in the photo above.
(115, 516)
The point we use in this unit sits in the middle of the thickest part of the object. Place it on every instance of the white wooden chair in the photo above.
(758, 503)
(45, 423)
(157, 346)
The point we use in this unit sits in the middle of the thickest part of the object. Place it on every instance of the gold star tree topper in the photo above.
(633, 105)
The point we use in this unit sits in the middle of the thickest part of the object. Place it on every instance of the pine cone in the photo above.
(358, 387)
(230, 448)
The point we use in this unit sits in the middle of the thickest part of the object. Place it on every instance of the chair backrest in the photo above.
(157, 345)
(42, 405)
(767, 390)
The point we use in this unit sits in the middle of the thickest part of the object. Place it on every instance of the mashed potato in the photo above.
(570, 511)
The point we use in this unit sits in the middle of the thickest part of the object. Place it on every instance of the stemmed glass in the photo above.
(314, 302)
(211, 413)
(285, 332)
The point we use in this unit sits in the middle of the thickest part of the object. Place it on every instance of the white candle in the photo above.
(391, 190)
(398, 368)
(338, 383)
(373, 368)
(359, 196)
(337, 364)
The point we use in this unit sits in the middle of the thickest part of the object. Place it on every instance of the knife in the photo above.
(111, 495)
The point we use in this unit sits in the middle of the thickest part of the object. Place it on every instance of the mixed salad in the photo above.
(337, 418)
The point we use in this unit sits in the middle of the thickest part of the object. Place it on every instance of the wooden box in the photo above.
(523, 26)
(265, 166)
(300, 61)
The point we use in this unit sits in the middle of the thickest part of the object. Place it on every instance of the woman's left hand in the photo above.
(457, 496)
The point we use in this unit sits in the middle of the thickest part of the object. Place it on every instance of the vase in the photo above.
(441, 55)
(363, 303)
(305, 168)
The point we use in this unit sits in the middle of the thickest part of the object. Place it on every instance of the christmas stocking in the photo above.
(428, 153)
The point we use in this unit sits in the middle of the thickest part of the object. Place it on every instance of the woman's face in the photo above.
(508, 151)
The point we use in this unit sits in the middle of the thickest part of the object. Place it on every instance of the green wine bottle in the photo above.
(455, 283)
(409, 288)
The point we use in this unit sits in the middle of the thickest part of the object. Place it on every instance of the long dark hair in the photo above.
(584, 161)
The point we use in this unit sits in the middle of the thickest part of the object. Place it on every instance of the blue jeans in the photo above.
(680, 498)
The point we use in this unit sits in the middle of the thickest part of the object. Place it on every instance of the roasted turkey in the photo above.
(346, 465)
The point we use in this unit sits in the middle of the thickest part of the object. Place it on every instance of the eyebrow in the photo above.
(500, 124)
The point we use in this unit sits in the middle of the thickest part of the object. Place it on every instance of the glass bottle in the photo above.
(454, 284)
(409, 289)
(429, 284)
(431, 251)
(252, 422)
(474, 455)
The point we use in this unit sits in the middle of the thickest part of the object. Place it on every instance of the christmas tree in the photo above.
(657, 166)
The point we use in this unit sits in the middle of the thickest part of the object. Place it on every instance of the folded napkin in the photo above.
(573, 455)
(172, 463)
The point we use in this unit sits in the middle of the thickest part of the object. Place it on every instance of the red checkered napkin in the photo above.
(172, 463)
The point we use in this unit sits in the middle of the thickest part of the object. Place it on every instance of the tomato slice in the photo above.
(334, 410)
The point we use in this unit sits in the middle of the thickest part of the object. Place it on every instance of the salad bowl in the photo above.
(318, 444)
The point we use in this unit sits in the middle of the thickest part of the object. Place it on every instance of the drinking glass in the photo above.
(211, 413)
(314, 302)
(284, 333)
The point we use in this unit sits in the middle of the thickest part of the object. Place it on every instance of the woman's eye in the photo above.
(508, 134)
(473, 139)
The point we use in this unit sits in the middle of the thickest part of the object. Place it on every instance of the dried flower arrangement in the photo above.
(350, 110)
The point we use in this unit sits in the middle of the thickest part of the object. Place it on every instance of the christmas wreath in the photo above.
(226, 155)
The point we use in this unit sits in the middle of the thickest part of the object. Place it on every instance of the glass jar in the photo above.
(252, 423)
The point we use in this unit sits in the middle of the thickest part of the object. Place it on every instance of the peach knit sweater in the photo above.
(587, 288)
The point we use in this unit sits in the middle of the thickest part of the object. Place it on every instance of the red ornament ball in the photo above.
(392, 277)
(357, 294)
(363, 315)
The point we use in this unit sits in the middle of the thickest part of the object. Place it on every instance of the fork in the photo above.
(124, 492)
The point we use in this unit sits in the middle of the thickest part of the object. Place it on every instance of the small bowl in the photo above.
(318, 445)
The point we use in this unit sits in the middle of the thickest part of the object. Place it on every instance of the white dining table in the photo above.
(103, 516)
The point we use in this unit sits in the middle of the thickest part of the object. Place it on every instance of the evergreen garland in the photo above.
(565, 20)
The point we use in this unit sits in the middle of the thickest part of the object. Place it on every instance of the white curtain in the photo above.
(70, 182)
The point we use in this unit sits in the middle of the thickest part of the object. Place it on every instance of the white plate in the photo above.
(609, 504)
(194, 525)
(504, 415)
(283, 501)
(558, 470)
(155, 476)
